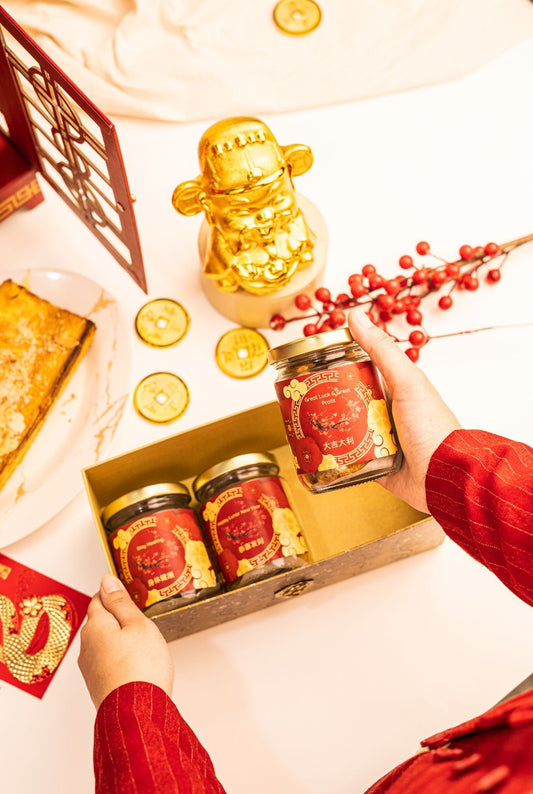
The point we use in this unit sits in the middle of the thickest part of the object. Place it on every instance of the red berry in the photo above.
(404, 282)
(420, 276)
(310, 329)
(385, 317)
(342, 297)
(400, 306)
(413, 300)
(438, 277)
(465, 252)
(412, 353)
(376, 281)
(323, 327)
(413, 317)
(491, 249)
(470, 282)
(367, 270)
(405, 262)
(478, 252)
(302, 302)
(355, 277)
(445, 302)
(393, 286)
(422, 248)
(328, 306)
(277, 322)
(337, 318)
(417, 338)
(358, 290)
(323, 295)
(494, 275)
(385, 302)
(452, 269)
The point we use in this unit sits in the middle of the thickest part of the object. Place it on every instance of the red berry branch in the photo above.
(388, 298)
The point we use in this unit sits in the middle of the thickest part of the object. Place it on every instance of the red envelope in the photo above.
(39, 618)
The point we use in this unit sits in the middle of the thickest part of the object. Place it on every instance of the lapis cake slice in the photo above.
(40, 347)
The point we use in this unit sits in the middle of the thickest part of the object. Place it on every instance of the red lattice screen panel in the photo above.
(72, 143)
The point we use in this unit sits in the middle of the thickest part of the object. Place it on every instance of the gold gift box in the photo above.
(348, 531)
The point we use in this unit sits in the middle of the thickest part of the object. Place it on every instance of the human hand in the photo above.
(422, 418)
(120, 645)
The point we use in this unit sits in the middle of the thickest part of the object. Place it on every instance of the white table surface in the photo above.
(326, 692)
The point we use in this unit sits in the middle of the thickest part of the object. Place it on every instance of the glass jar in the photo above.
(336, 414)
(253, 529)
(158, 548)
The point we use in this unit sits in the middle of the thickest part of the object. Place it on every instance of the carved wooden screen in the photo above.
(75, 146)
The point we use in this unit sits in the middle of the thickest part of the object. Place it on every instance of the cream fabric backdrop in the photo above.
(184, 60)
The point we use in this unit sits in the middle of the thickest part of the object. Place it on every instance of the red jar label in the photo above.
(160, 555)
(251, 524)
(336, 417)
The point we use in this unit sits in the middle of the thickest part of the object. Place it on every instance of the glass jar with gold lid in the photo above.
(336, 413)
(246, 511)
(158, 547)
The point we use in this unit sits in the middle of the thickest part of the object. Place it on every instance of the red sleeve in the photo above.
(479, 487)
(142, 745)
(490, 754)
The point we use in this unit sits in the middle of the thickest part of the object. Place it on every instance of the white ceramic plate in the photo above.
(83, 422)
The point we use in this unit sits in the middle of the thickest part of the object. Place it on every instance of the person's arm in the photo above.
(142, 745)
(478, 486)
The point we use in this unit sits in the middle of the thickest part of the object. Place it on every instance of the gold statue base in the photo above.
(255, 311)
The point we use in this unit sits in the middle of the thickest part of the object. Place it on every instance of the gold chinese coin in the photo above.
(162, 322)
(297, 17)
(242, 353)
(161, 397)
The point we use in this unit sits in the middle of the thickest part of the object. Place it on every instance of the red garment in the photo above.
(142, 745)
(480, 489)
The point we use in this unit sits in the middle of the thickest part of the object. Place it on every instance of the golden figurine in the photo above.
(256, 236)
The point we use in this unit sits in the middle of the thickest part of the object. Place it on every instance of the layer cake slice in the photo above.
(40, 348)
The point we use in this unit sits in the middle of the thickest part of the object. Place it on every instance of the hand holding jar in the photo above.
(120, 645)
(335, 411)
(422, 418)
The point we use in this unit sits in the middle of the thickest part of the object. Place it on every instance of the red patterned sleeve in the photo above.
(142, 745)
(479, 487)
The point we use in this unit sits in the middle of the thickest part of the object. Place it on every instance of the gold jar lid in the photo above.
(312, 344)
(140, 494)
(231, 464)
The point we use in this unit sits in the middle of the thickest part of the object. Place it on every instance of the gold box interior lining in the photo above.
(341, 527)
